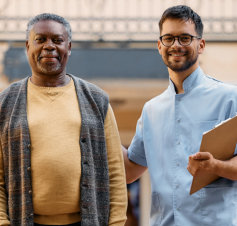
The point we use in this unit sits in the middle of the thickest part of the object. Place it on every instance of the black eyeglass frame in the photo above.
(178, 37)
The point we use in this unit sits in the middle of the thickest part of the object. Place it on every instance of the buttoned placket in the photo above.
(178, 147)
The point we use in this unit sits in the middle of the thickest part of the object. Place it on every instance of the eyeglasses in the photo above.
(184, 40)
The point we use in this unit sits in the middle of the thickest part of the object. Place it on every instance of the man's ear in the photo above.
(201, 46)
(27, 45)
(159, 46)
(69, 48)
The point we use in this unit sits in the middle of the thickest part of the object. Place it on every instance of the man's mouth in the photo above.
(49, 57)
(177, 54)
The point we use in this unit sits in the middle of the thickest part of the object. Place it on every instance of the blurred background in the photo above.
(115, 47)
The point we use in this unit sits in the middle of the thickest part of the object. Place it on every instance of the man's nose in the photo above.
(49, 44)
(176, 42)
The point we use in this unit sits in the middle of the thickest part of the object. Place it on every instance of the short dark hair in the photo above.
(182, 12)
(49, 16)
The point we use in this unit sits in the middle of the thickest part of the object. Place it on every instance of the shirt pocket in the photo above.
(205, 126)
(196, 131)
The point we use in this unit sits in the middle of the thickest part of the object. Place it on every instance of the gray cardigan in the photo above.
(16, 148)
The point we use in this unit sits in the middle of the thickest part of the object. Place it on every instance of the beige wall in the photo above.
(219, 60)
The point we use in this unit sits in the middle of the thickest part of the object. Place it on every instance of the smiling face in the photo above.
(176, 57)
(48, 48)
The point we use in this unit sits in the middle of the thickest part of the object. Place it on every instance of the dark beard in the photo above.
(184, 67)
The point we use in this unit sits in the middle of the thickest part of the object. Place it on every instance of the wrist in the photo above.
(217, 166)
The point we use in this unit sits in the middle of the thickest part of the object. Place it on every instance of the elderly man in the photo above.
(60, 156)
(170, 130)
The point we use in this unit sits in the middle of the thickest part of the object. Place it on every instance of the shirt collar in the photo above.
(189, 82)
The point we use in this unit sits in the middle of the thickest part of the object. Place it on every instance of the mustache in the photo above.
(48, 54)
(177, 51)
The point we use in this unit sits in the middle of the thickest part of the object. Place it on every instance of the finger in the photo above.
(201, 156)
(191, 157)
(193, 166)
(191, 171)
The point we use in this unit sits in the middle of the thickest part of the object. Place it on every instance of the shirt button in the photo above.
(177, 186)
(84, 207)
(177, 164)
(28, 168)
(85, 185)
(178, 142)
(28, 145)
(178, 120)
(30, 192)
(83, 140)
(31, 214)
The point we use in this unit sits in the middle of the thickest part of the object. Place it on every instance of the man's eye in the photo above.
(39, 39)
(168, 39)
(185, 38)
(57, 40)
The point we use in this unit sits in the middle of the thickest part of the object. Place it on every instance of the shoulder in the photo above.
(220, 87)
(89, 87)
(13, 89)
(92, 94)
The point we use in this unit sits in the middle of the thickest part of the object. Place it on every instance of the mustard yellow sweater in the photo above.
(54, 123)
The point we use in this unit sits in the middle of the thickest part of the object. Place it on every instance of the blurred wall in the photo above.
(129, 93)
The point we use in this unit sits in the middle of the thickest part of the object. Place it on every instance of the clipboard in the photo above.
(220, 142)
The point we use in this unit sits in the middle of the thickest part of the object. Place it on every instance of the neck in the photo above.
(179, 77)
(50, 80)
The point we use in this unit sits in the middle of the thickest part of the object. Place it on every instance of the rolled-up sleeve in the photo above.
(136, 151)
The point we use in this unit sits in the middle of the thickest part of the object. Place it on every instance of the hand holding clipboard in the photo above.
(220, 142)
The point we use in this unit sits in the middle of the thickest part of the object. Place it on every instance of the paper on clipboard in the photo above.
(220, 142)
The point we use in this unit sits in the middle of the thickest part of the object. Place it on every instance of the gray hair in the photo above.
(49, 16)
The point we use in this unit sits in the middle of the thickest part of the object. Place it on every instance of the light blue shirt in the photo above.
(170, 130)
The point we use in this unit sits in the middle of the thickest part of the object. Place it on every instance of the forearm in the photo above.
(118, 188)
(118, 195)
(227, 169)
(206, 162)
(133, 170)
(4, 220)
